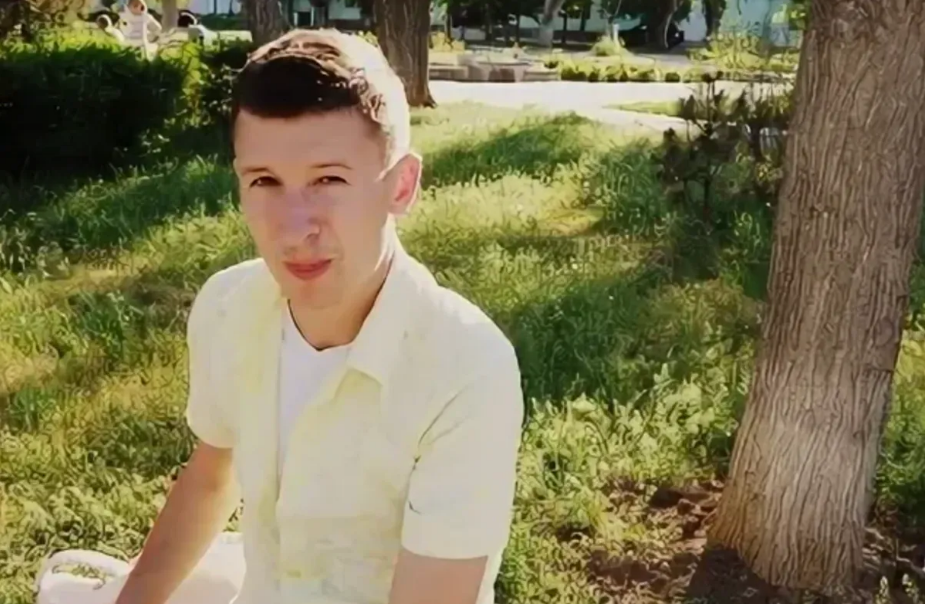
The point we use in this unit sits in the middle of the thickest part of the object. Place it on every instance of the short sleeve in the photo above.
(203, 414)
(461, 491)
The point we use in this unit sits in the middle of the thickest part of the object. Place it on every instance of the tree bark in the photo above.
(265, 19)
(663, 16)
(801, 479)
(403, 30)
(171, 14)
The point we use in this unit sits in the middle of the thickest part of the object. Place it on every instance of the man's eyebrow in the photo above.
(247, 169)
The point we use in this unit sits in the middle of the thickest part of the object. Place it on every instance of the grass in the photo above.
(635, 372)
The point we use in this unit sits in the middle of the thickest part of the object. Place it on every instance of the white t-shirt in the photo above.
(137, 26)
(303, 371)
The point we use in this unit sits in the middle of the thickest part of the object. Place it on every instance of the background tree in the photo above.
(713, 15)
(800, 484)
(657, 15)
(610, 10)
(550, 10)
(171, 14)
(403, 31)
(265, 19)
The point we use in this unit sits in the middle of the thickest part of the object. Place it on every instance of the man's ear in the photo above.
(406, 176)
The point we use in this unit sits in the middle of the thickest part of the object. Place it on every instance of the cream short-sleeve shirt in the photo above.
(412, 444)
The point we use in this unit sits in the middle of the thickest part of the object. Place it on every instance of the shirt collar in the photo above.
(375, 349)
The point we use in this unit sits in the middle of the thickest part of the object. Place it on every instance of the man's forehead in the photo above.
(331, 134)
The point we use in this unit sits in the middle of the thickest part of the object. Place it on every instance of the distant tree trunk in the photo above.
(403, 30)
(663, 16)
(551, 8)
(564, 41)
(583, 25)
(800, 484)
(171, 14)
(713, 15)
(265, 19)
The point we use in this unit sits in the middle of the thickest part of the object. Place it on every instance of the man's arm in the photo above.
(197, 509)
(206, 493)
(460, 499)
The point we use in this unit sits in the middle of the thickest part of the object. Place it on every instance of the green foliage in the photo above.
(85, 107)
(607, 47)
(635, 317)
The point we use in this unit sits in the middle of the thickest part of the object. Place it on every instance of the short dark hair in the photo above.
(316, 71)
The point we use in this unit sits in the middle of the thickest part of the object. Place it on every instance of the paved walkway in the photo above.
(585, 98)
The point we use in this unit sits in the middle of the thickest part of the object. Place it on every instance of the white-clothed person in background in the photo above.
(138, 27)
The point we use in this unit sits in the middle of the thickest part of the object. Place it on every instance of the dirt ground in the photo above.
(691, 570)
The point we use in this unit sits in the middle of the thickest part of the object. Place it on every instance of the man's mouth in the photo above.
(306, 271)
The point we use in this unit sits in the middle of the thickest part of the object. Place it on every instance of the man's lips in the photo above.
(308, 270)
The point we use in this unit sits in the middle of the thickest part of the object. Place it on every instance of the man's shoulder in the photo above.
(459, 333)
(226, 287)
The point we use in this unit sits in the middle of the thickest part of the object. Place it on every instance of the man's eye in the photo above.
(331, 180)
(264, 181)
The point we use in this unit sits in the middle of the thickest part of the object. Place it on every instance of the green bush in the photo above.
(82, 108)
(223, 22)
(607, 47)
(219, 64)
(672, 76)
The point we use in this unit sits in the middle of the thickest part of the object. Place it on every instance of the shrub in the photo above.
(607, 47)
(223, 22)
(672, 76)
(219, 64)
(613, 73)
(82, 108)
(440, 42)
(572, 71)
(645, 75)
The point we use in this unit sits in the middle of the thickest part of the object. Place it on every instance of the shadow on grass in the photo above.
(103, 217)
(534, 147)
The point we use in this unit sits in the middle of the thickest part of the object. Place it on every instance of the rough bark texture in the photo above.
(265, 19)
(171, 14)
(403, 30)
(805, 456)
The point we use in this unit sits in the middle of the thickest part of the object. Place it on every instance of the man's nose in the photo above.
(302, 216)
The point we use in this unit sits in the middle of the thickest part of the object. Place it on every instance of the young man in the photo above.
(370, 417)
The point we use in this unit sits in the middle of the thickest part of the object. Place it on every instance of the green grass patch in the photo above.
(635, 371)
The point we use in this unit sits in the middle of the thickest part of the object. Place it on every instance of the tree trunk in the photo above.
(171, 14)
(800, 484)
(551, 8)
(403, 30)
(713, 14)
(564, 40)
(663, 17)
(265, 19)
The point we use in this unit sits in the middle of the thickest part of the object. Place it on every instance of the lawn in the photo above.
(635, 350)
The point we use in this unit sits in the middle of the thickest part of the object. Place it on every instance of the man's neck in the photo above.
(340, 324)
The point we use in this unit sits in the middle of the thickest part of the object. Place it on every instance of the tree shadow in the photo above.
(535, 147)
(101, 218)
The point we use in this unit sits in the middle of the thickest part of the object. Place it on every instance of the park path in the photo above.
(591, 100)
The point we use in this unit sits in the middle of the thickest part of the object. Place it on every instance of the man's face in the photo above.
(317, 198)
